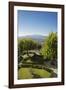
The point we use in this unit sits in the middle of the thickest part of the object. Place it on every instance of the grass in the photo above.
(42, 73)
(27, 73)
(24, 73)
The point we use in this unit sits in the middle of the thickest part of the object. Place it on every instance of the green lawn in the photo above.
(24, 73)
(42, 73)
(27, 73)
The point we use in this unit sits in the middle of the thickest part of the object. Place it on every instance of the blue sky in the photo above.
(36, 22)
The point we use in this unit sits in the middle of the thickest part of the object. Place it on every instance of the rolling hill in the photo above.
(39, 38)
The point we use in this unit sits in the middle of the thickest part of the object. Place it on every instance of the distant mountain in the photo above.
(39, 38)
(34, 36)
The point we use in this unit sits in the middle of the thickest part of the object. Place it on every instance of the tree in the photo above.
(26, 45)
(49, 48)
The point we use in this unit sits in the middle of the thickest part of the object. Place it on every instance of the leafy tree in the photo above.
(26, 45)
(49, 48)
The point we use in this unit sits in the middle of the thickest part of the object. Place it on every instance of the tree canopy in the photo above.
(49, 48)
(27, 44)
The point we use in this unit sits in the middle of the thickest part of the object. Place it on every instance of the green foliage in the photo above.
(27, 44)
(49, 48)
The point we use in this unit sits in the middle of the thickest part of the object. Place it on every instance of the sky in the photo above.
(36, 22)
